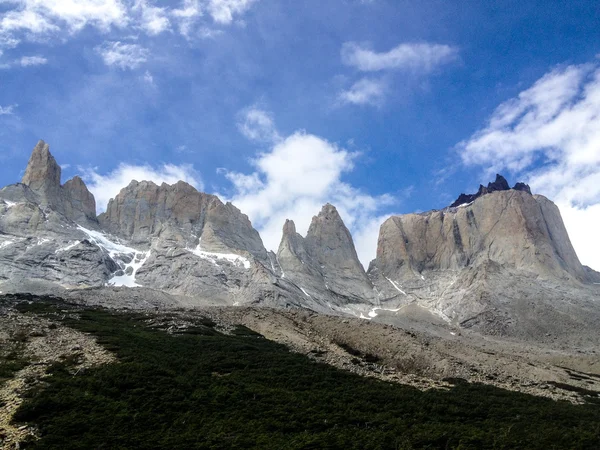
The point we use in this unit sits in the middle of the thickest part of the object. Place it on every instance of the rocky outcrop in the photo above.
(507, 227)
(178, 215)
(171, 238)
(324, 263)
(42, 177)
(502, 263)
(79, 203)
(499, 261)
(499, 184)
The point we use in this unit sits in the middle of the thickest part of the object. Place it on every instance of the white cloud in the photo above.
(27, 61)
(187, 16)
(550, 133)
(38, 20)
(257, 125)
(148, 79)
(7, 110)
(24, 61)
(364, 92)
(105, 187)
(123, 56)
(153, 20)
(417, 57)
(294, 179)
(46, 16)
(223, 11)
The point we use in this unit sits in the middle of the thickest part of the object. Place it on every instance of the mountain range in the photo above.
(499, 262)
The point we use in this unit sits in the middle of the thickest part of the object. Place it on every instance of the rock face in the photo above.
(42, 176)
(325, 264)
(507, 227)
(498, 261)
(490, 264)
(180, 215)
(171, 238)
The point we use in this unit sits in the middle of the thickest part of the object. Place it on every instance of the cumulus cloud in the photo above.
(36, 20)
(7, 110)
(224, 11)
(421, 57)
(107, 186)
(364, 92)
(294, 179)
(123, 56)
(550, 134)
(153, 20)
(46, 16)
(257, 125)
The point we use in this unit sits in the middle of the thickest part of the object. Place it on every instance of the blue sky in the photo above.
(377, 106)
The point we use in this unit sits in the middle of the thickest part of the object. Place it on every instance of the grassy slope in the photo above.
(207, 390)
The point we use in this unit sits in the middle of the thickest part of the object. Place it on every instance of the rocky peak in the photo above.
(499, 184)
(327, 230)
(43, 174)
(79, 203)
(42, 177)
(289, 228)
(522, 187)
(325, 262)
(180, 216)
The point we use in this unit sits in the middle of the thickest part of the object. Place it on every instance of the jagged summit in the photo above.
(499, 184)
(502, 264)
(42, 174)
(42, 177)
(324, 263)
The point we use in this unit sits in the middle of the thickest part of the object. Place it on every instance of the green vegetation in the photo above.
(202, 389)
(12, 357)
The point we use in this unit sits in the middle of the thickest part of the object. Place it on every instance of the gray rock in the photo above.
(503, 265)
(180, 216)
(42, 177)
(325, 264)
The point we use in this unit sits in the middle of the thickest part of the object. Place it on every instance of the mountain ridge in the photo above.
(471, 264)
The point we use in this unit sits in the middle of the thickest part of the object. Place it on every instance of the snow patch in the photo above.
(6, 243)
(305, 293)
(396, 286)
(116, 251)
(278, 263)
(237, 260)
(464, 205)
(373, 313)
(68, 247)
(129, 280)
(9, 204)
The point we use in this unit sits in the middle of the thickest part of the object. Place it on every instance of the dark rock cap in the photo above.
(500, 184)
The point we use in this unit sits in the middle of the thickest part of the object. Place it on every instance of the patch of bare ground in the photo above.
(420, 359)
(38, 343)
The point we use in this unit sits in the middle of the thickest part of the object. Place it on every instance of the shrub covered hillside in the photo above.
(206, 390)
